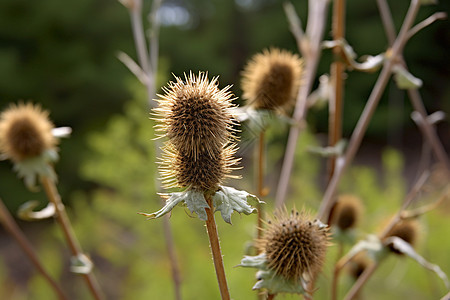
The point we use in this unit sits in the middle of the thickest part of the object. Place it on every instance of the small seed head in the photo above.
(407, 230)
(346, 212)
(271, 79)
(358, 265)
(25, 132)
(294, 244)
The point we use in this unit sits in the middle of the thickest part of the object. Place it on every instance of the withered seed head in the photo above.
(197, 118)
(346, 212)
(25, 132)
(407, 230)
(358, 265)
(271, 79)
(294, 244)
(196, 115)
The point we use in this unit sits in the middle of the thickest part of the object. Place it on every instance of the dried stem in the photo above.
(337, 78)
(11, 226)
(172, 257)
(271, 296)
(369, 109)
(260, 183)
(215, 249)
(72, 242)
(310, 47)
(413, 94)
(361, 281)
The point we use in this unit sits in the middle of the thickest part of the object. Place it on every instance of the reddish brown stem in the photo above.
(271, 296)
(11, 226)
(63, 220)
(215, 249)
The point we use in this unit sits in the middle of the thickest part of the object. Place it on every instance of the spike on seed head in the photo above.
(407, 230)
(346, 212)
(271, 79)
(294, 245)
(196, 115)
(25, 132)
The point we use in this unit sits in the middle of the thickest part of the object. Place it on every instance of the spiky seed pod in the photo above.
(204, 172)
(407, 230)
(357, 265)
(346, 212)
(196, 115)
(25, 132)
(271, 79)
(295, 245)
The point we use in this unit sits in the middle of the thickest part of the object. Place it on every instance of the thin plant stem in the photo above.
(369, 109)
(64, 222)
(260, 182)
(271, 296)
(334, 287)
(361, 281)
(337, 78)
(11, 226)
(172, 257)
(310, 47)
(413, 94)
(215, 249)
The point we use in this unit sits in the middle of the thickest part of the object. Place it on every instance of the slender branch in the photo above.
(413, 94)
(215, 249)
(172, 257)
(295, 25)
(11, 226)
(337, 78)
(313, 39)
(361, 281)
(63, 220)
(369, 109)
(154, 43)
(427, 22)
(260, 183)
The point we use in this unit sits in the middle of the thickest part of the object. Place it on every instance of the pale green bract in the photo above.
(26, 211)
(269, 280)
(226, 200)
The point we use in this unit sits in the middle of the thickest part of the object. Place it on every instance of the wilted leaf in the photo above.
(405, 80)
(26, 212)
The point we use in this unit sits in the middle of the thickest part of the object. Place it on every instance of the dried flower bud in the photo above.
(197, 118)
(271, 79)
(196, 115)
(25, 132)
(295, 245)
(407, 230)
(346, 212)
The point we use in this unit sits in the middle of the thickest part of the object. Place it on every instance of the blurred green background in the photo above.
(63, 55)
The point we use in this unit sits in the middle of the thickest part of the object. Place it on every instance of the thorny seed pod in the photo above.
(295, 245)
(407, 230)
(197, 118)
(271, 79)
(25, 132)
(346, 212)
(196, 115)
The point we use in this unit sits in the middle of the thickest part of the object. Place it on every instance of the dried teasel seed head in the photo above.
(25, 132)
(294, 244)
(407, 230)
(358, 264)
(346, 212)
(271, 79)
(196, 115)
(203, 171)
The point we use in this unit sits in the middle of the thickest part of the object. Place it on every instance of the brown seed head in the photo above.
(346, 212)
(202, 172)
(25, 132)
(271, 79)
(358, 265)
(294, 244)
(407, 230)
(196, 115)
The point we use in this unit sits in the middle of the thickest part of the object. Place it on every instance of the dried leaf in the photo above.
(404, 79)
(26, 212)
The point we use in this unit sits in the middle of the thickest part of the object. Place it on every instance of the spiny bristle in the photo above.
(196, 115)
(346, 212)
(294, 244)
(271, 79)
(25, 132)
(407, 230)
(205, 171)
